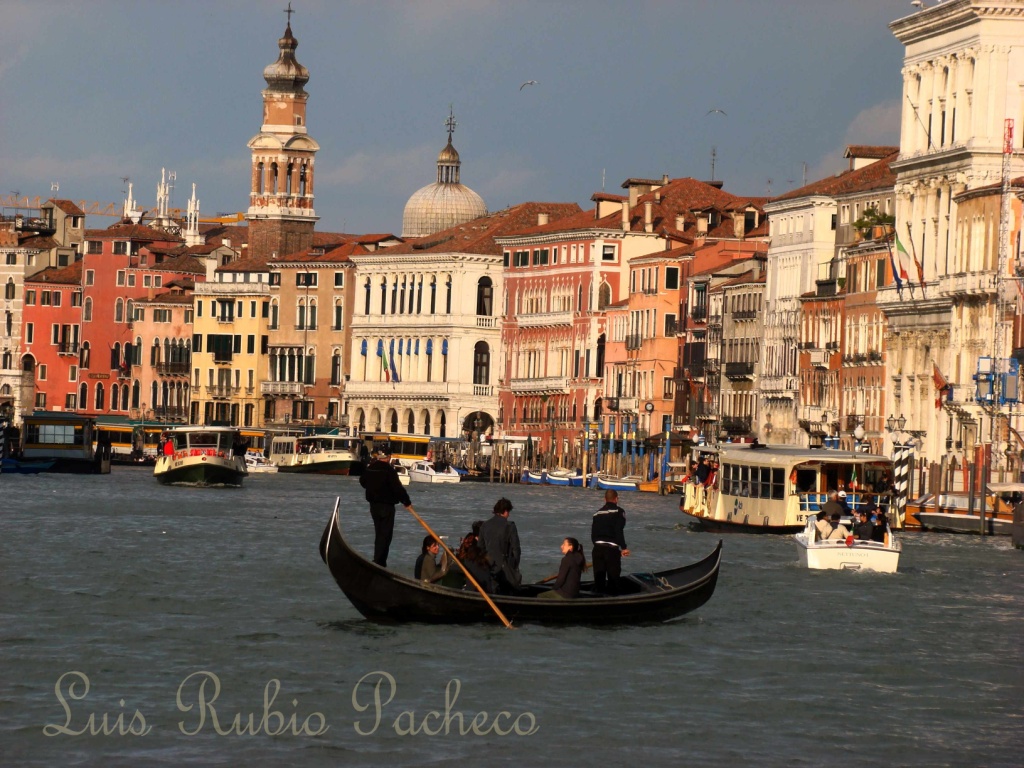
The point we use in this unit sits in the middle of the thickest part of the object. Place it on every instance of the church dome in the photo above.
(286, 75)
(447, 202)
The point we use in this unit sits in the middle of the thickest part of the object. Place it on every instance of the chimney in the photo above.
(757, 269)
(634, 195)
(657, 197)
(625, 216)
(738, 221)
(664, 179)
(702, 225)
(648, 225)
(680, 222)
(542, 219)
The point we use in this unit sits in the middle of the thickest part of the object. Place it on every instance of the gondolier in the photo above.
(607, 532)
(383, 491)
(499, 540)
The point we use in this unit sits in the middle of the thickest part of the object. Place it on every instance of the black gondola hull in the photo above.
(383, 595)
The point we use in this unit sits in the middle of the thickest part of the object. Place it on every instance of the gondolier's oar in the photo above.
(469, 576)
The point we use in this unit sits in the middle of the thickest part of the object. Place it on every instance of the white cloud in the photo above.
(876, 125)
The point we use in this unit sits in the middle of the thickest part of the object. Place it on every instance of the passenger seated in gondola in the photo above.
(472, 557)
(570, 571)
(427, 568)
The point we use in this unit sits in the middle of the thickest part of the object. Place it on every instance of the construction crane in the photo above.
(93, 208)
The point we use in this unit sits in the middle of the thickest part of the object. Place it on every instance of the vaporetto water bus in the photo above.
(202, 456)
(775, 489)
(317, 454)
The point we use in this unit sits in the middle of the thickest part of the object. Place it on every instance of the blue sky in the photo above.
(92, 91)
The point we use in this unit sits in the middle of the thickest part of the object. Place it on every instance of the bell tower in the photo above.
(281, 216)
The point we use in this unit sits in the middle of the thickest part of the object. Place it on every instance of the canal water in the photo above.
(188, 626)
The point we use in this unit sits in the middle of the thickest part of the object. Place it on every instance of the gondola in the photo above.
(382, 595)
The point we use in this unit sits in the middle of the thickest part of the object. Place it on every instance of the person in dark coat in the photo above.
(880, 528)
(383, 491)
(499, 541)
(864, 528)
(570, 571)
(608, 534)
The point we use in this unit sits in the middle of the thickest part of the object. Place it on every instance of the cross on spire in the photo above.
(450, 123)
(289, 11)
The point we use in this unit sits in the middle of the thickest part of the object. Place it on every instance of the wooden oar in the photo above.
(469, 576)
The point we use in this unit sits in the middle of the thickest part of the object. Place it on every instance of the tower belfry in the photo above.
(281, 215)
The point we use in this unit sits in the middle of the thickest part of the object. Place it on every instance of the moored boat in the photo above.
(532, 477)
(202, 456)
(610, 483)
(403, 472)
(563, 477)
(26, 466)
(952, 513)
(847, 554)
(317, 454)
(433, 472)
(257, 464)
(383, 595)
(65, 440)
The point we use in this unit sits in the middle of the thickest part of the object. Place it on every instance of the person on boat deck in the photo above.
(703, 470)
(841, 498)
(608, 534)
(383, 491)
(833, 506)
(427, 568)
(880, 527)
(570, 571)
(864, 528)
(821, 524)
(870, 506)
(499, 541)
(836, 530)
(712, 480)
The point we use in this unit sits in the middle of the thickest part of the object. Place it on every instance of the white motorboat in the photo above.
(433, 472)
(847, 554)
(326, 454)
(255, 463)
(402, 470)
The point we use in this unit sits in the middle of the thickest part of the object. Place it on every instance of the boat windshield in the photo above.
(219, 440)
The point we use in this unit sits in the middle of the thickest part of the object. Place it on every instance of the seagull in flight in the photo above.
(528, 82)
(712, 111)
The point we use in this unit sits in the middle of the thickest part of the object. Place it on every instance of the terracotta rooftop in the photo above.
(477, 236)
(184, 263)
(70, 275)
(847, 181)
(132, 232)
(42, 242)
(67, 206)
(867, 151)
(338, 255)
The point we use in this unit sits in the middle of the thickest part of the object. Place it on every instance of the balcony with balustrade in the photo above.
(544, 319)
(551, 385)
(736, 425)
(176, 368)
(67, 348)
(634, 341)
(968, 284)
(739, 371)
(221, 391)
(282, 388)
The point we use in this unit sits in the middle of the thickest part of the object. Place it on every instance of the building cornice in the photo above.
(567, 236)
(385, 259)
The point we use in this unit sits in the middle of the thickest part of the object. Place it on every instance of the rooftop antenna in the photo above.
(55, 186)
(769, 187)
(804, 164)
(602, 179)
(714, 154)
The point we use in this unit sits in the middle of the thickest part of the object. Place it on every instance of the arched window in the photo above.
(124, 398)
(115, 355)
(83, 395)
(383, 295)
(311, 319)
(426, 423)
(87, 310)
(288, 180)
(448, 296)
(410, 423)
(115, 391)
(433, 294)
(443, 425)
(484, 297)
(273, 179)
(7, 360)
(481, 363)
(604, 296)
(9, 289)
(260, 170)
(599, 360)
(302, 180)
(130, 314)
(339, 315)
(119, 311)
(366, 308)
(275, 315)
(9, 323)
(136, 394)
(394, 421)
(336, 368)
(83, 359)
(99, 396)
(153, 391)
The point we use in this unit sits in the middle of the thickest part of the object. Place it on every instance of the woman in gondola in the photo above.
(570, 571)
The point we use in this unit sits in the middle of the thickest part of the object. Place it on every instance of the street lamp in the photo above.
(858, 436)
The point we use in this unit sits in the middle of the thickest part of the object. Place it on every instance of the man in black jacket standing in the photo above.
(608, 532)
(499, 541)
(383, 491)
